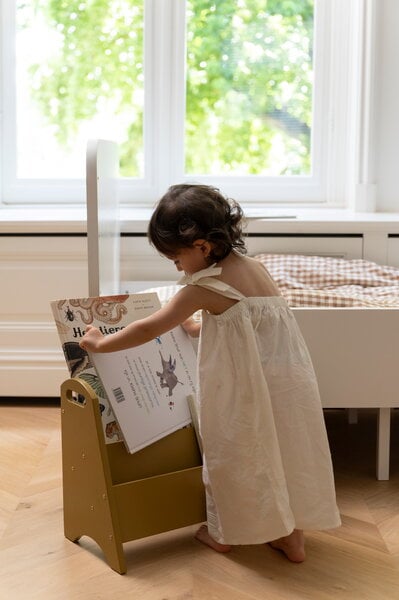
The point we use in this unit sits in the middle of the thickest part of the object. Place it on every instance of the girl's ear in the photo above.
(204, 246)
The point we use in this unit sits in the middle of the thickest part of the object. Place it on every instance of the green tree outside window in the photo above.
(249, 80)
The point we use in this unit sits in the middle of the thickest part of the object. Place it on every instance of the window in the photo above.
(257, 97)
(250, 87)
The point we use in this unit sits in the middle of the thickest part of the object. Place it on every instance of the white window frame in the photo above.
(342, 129)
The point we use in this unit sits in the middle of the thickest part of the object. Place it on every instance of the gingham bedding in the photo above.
(334, 282)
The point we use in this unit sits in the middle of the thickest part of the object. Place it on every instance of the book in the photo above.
(142, 391)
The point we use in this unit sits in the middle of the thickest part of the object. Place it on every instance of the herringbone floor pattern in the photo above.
(359, 561)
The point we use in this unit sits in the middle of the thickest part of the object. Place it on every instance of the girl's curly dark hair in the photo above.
(189, 212)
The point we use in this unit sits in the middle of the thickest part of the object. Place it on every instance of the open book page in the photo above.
(109, 313)
(147, 387)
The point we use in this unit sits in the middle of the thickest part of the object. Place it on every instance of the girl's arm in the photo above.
(186, 302)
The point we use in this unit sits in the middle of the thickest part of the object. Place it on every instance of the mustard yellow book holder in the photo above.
(115, 497)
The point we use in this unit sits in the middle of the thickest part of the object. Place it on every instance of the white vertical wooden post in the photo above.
(102, 167)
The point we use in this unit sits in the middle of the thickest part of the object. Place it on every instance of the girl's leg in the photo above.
(203, 536)
(293, 546)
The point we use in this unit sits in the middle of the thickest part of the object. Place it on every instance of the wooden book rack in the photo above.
(113, 496)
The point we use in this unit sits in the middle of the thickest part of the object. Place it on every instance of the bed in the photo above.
(351, 331)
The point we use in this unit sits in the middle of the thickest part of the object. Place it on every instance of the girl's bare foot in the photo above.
(293, 546)
(203, 536)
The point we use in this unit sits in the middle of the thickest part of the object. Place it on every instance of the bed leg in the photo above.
(383, 443)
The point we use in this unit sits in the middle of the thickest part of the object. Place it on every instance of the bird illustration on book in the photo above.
(168, 378)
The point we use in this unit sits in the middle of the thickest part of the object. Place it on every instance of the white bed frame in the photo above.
(355, 351)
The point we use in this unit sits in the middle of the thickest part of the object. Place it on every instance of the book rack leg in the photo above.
(89, 505)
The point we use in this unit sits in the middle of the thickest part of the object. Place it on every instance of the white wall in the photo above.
(387, 106)
(35, 270)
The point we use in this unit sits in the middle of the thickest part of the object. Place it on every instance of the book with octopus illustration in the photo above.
(142, 391)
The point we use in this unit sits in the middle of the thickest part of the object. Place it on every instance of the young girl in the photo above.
(267, 467)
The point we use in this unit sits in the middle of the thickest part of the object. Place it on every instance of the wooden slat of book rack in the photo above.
(113, 496)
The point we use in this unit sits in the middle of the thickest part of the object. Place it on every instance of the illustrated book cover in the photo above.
(143, 390)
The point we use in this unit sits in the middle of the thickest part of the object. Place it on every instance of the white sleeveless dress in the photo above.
(267, 464)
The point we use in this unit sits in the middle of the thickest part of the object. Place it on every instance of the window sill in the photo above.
(42, 219)
(69, 220)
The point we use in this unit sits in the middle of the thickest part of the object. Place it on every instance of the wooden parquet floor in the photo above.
(359, 561)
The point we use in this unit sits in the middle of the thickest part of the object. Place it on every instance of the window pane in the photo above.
(79, 76)
(249, 87)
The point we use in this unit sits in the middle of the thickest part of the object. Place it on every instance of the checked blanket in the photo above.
(327, 281)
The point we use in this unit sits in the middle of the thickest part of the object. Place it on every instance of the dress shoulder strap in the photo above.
(206, 278)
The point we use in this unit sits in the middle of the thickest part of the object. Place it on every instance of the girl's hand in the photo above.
(91, 341)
